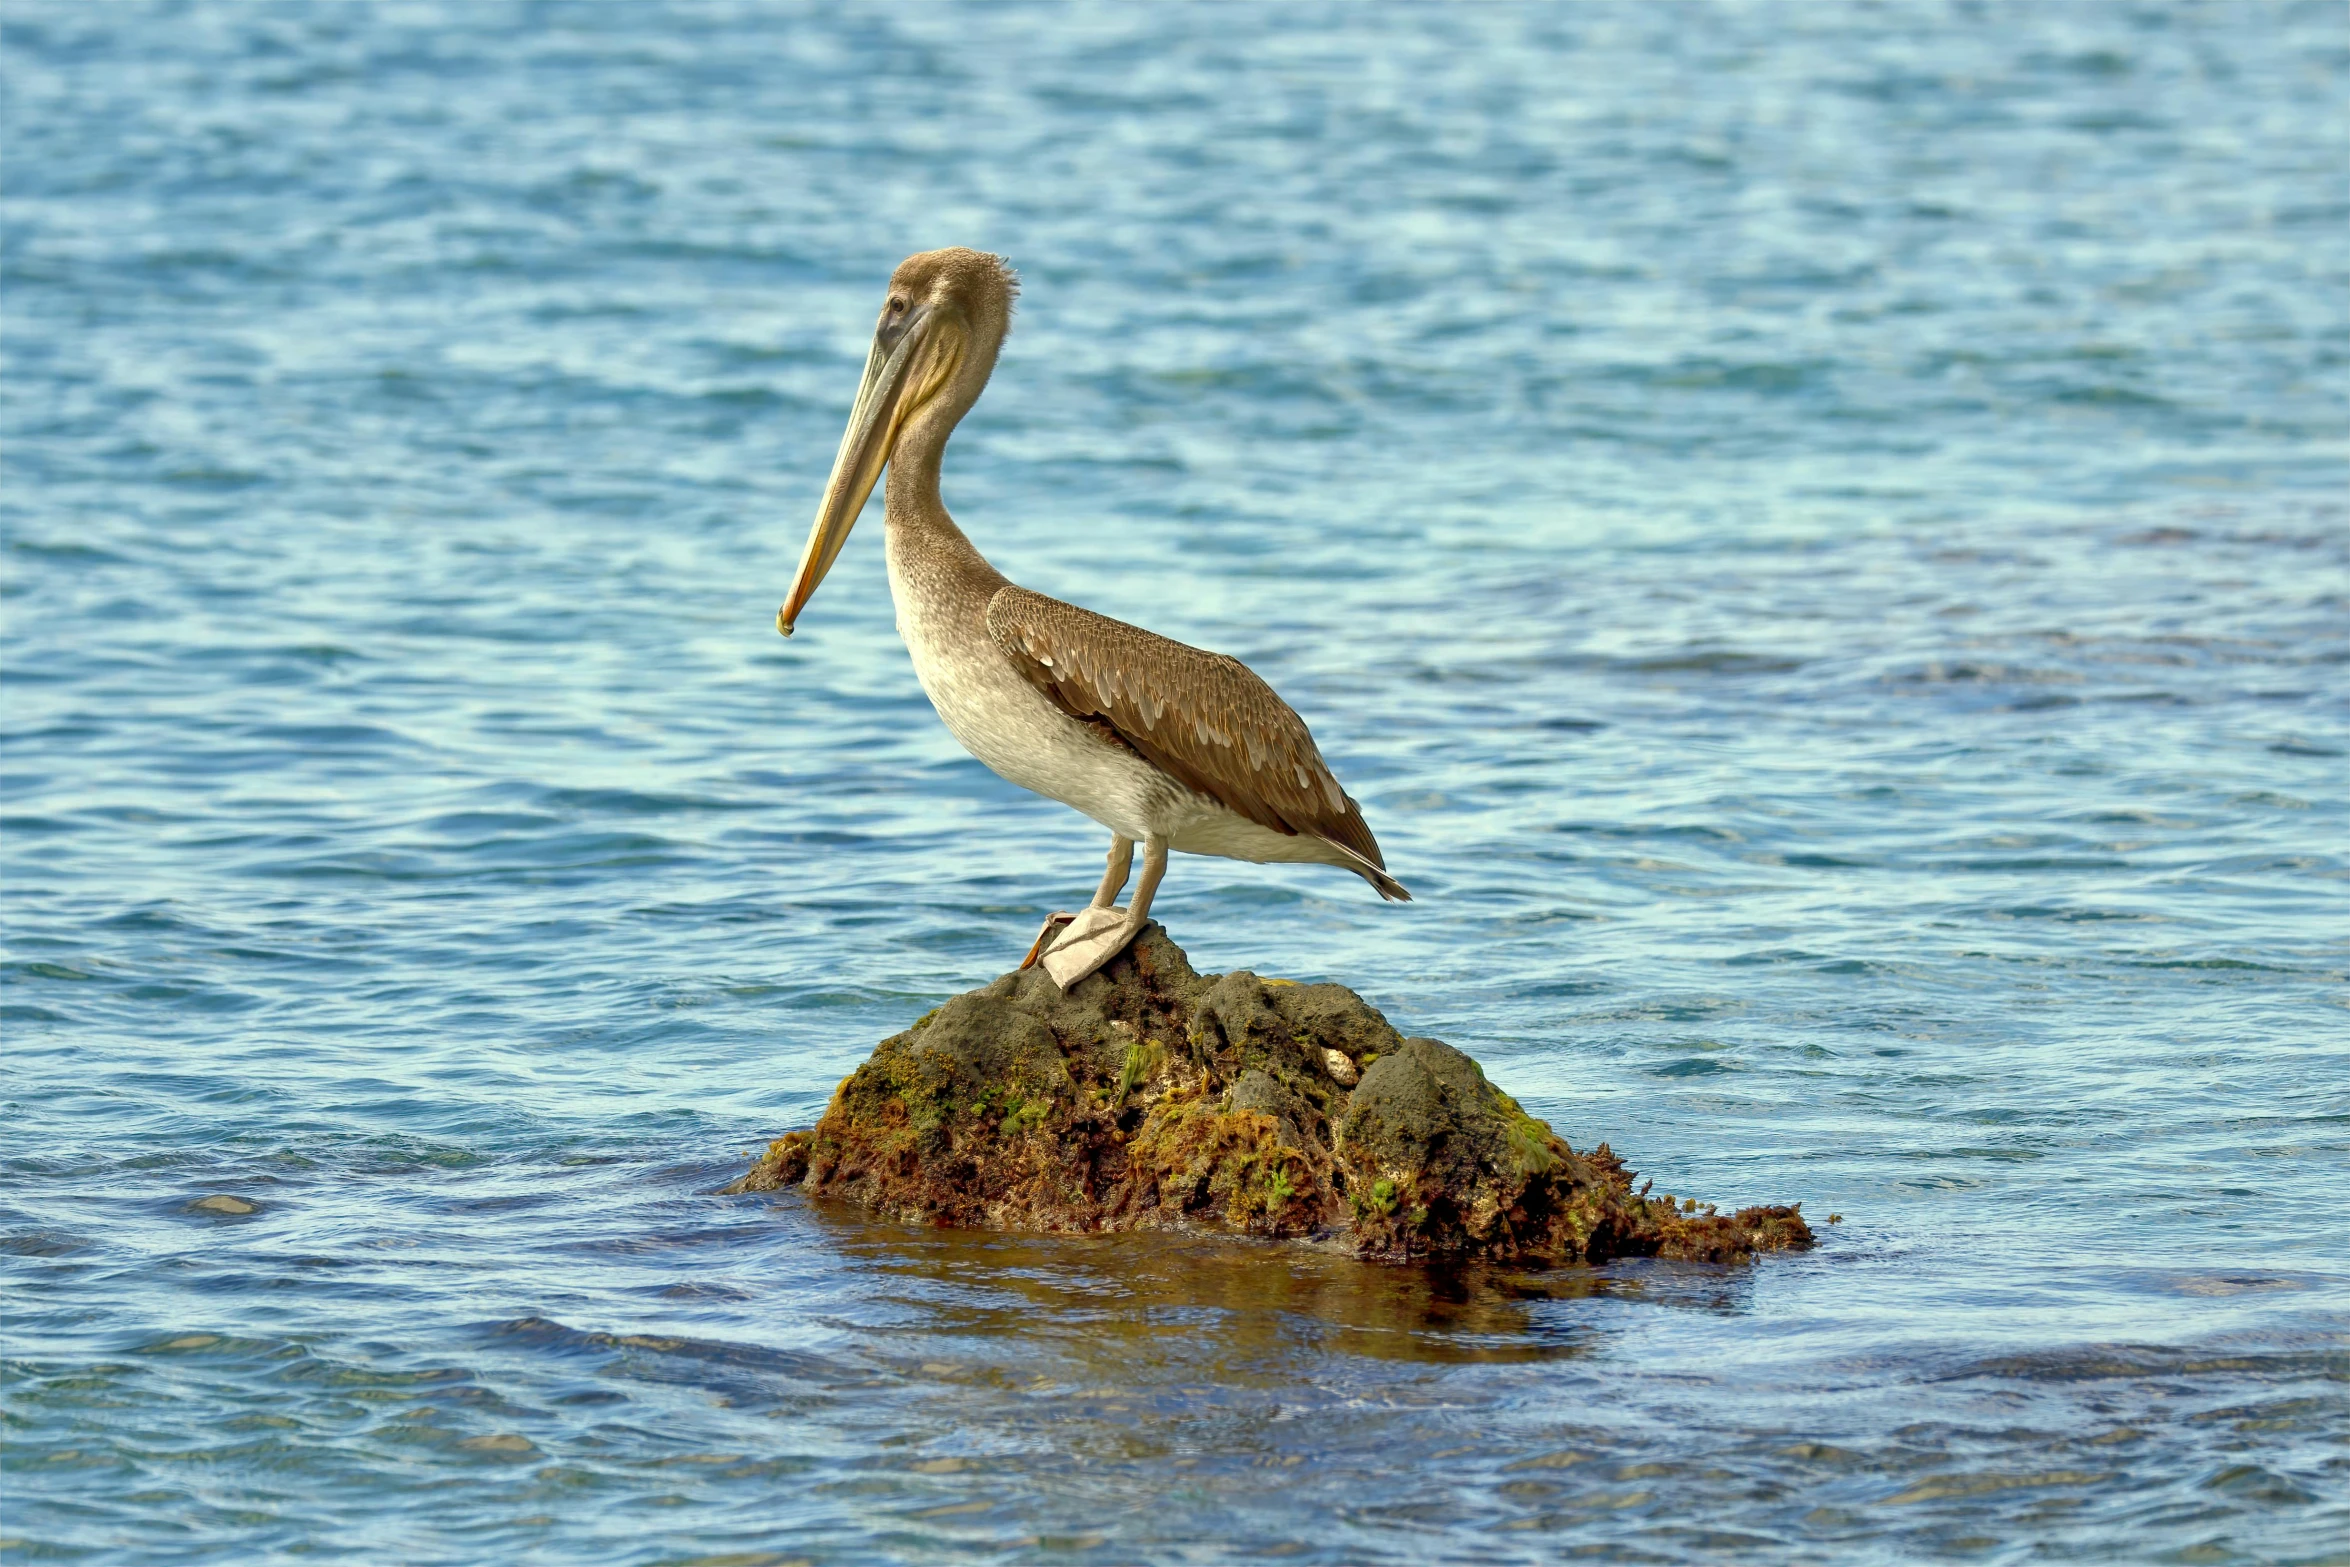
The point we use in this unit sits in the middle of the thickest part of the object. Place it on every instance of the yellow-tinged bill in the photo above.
(896, 376)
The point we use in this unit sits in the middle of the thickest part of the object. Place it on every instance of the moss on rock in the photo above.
(1153, 1097)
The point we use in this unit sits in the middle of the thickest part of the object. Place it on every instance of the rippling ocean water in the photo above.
(1817, 532)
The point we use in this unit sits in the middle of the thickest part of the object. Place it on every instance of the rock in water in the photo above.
(1151, 1097)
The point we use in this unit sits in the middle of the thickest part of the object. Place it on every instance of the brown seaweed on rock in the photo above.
(1151, 1097)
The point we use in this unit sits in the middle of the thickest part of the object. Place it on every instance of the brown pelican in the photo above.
(1160, 743)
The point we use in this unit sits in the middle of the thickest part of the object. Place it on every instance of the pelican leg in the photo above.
(1154, 866)
(1114, 877)
(1102, 932)
(1105, 896)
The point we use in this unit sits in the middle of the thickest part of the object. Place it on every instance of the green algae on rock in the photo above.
(1152, 1097)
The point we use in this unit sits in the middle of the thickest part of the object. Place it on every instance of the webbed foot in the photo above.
(1083, 944)
(1053, 924)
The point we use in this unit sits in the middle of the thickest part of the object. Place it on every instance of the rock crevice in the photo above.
(1152, 1097)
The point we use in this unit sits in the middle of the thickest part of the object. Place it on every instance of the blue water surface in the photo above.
(1817, 532)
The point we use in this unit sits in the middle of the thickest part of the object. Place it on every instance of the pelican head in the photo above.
(933, 349)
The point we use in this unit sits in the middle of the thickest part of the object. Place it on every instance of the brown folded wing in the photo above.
(1204, 719)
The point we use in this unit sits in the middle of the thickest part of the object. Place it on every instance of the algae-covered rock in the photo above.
(1152, 1097)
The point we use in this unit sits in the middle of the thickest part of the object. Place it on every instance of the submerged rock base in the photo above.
(1151, 1097)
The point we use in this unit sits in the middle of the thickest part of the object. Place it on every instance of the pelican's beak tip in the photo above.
(782, 625)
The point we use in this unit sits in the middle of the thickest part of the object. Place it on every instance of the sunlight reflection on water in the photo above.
(1815, 532)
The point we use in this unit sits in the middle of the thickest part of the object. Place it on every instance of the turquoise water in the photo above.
(1817, 533)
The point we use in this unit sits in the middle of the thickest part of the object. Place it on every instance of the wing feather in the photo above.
(1203, 718)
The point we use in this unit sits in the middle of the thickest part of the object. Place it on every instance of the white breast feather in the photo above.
(1017, 732)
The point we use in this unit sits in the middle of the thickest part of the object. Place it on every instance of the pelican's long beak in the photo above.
(897, 376)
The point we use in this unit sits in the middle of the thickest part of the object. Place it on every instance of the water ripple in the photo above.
(1822, 552)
